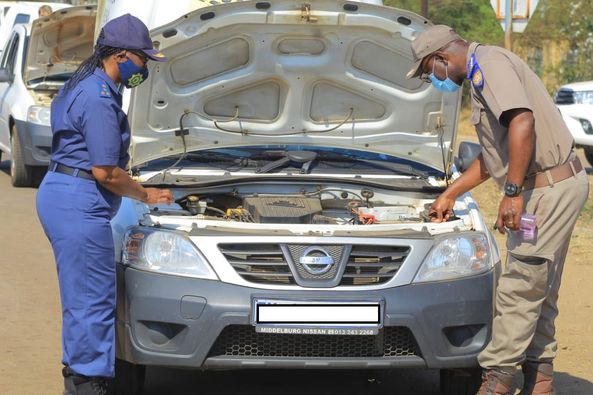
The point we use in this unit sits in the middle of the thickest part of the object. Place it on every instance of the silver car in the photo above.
(302, 162)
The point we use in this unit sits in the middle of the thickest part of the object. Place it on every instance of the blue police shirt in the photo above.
(89, 126)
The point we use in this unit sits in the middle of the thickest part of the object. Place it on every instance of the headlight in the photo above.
(583, 97)
(164, 251)
(39, 115)
(456, 256)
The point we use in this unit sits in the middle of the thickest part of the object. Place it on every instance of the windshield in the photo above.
(293, 158)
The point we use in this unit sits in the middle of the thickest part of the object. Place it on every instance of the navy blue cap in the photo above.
(129, 32)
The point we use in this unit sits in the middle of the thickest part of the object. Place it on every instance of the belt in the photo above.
(71, 171)
(554, 175)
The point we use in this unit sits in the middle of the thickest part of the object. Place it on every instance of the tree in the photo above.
(557, 44)
(474, 20)
(571, 22)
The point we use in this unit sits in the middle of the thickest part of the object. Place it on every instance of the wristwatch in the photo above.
(512, 190)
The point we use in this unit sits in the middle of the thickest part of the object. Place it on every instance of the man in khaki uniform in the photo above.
(528, 151)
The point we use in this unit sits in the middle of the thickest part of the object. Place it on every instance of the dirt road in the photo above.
(30, 328)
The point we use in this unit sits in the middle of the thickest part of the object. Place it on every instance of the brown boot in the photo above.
(537, 378)
(495, 382)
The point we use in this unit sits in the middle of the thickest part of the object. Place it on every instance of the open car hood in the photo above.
(280, 72)
(60, 42)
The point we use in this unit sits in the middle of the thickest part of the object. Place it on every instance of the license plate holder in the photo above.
(306, 317)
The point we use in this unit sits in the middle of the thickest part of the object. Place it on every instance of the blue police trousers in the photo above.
(75, 214)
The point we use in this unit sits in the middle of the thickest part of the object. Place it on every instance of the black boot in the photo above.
(69, 387)
(93, 386)
(75, 384)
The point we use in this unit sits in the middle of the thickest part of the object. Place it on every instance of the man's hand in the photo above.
(156, 196)
(441, 209)
(520, 122)
(509, 213)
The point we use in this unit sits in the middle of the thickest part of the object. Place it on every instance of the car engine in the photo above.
(322, 206)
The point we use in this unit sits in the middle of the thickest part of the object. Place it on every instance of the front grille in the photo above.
(258, 263)
(564, 96)
(267, 264)
(244, 341)
(370, 264)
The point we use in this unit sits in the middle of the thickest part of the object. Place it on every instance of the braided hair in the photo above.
(88, 66)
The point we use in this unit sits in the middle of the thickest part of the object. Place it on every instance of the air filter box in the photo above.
(282, 210)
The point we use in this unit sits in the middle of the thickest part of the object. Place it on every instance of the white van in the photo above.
(38, 59)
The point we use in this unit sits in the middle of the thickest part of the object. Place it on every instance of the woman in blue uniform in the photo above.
(82, 192)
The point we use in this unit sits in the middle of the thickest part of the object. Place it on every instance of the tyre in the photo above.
(460, 382)
(39, 173)
(129, 378)
(589, 154)
(21, 175)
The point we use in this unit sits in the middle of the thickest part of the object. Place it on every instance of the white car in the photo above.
(38, 59)
(302, 162)
(575, 102)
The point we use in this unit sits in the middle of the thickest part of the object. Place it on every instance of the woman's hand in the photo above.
(156, 196)
(119, 182)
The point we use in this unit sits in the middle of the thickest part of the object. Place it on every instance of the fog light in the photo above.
(466, 335)
(160, 333)
(586, 125)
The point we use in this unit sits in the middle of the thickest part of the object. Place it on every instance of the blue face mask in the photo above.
(444, 86)
(132, 75)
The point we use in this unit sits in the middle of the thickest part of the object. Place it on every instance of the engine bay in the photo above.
(333, 205)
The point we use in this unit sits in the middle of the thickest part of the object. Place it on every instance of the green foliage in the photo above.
(410, 5)
(564, 21)
(565, 25)
(474, 20)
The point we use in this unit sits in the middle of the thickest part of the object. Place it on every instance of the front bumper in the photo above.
(572, 114)
(183, 322)
(36, 140)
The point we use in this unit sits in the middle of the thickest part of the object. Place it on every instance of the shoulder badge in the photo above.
(104, 90)
(474, 72)
(478, 78)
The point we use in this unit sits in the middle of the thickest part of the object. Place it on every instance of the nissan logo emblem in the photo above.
(314, 263)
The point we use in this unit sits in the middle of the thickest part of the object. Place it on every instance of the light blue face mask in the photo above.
(444, 86)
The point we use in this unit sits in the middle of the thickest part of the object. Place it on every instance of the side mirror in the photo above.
(466, 154)
(5, 75)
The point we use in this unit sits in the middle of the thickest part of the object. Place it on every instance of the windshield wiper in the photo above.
(212, 156)
(304, 158)
(307, 158)
(398, 168)
(53, 78)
